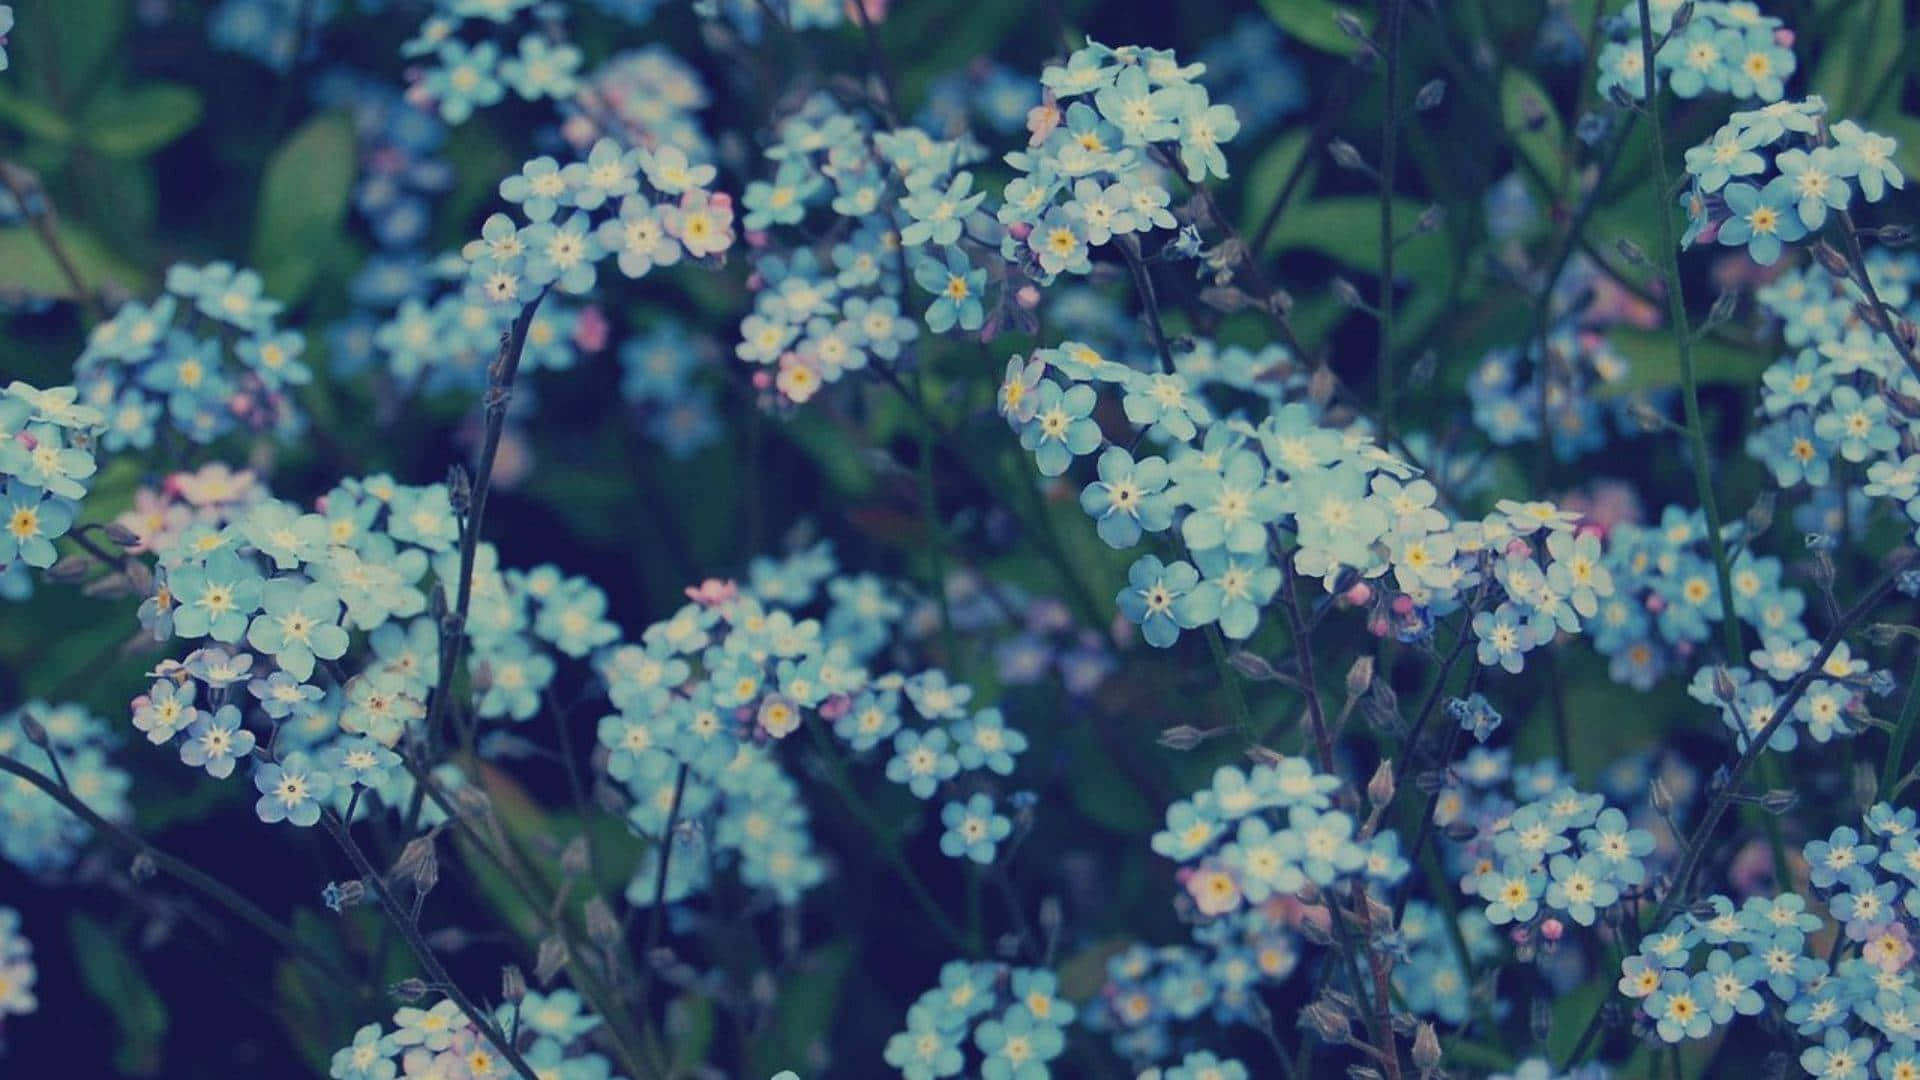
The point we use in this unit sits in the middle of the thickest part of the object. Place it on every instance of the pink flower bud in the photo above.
(1402, 605)
(591, 331)
(1359, 594)
(1552, 929)
(1027, 296)
(1019, 230)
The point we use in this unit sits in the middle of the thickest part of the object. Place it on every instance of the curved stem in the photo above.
(185, 873)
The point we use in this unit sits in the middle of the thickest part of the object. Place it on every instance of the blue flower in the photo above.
(957, 288)
(1062, 427)
(1763, 219)
(213, 742)
(1156, 599)
(291, 790)
(973, 829)
(1128, 498)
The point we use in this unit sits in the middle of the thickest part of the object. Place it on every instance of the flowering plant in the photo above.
(574, 539)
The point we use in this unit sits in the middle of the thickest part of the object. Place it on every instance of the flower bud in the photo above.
(602, 928)
(1328, 1022)
(513, 983)
(1380, 789)
(408, 991)
(551, 958)
(1360, 676)
(1426, 1048)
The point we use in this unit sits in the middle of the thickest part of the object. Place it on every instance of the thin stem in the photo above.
(499, 393)
(1696, 844)
(1143, 284)
(410, 933)
(183, 872)
(656, 920)
(1683, 341)
(20, 185)
(1902, 733)
(1879, 314)
(1389, 150)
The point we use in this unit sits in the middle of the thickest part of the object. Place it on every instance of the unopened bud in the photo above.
(1830, 258)
(1350, 25)
(1631, 252)
(1662, 798)
(574, 860)
(1380, 788)
(1345, 155)
(408, 991)
(1253, 666)
(1050, 914)
(513, 983)
(1430, 95)
(36, 732)
(1895, 235)
(1429, 219)
(1723, 308)
(1459, 832)
(120, 534)
(1320, 384)
(1779, 800)
(1360, 676)
(142, 867)
(1760, 514)
(70, 569)
(1426, 1047)
(551, 958)
(1723, 687)
(602, 928)
(418, 863)
(1184, 737)
(1344, 292)
(459, 489)
(1328, 1022)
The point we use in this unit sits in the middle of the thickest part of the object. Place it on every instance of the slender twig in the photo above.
(1389, 150)
(656, 920)
(183, 872)
(1902, 733)
(20, 185)
(423, 952)
(1695, 847)
(453, 629)
(1683, 342)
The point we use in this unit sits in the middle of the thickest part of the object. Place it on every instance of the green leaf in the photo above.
(1269, 174)
(74, 36)
(1347, 228)
(1102, 790)
(36, 118)
(1534, 125)
(1311, 21)
(303, 203)
(142, 120)
(1859, 61)
(116, 981)
(1656, 366)
(804, 1012)
(27, 266)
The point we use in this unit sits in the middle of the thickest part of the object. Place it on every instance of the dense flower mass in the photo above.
(592, 539)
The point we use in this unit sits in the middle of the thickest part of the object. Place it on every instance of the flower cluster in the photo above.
(586, 211)
(823, 309)
(155, 368)
(1232, 490)
(47, 443)
(1094, 171)
(1233, 851)
(1014, 1015)
(1771, 176)
(547, 1030)
(662, 376)
(37, 834)
(16, 952)
(1722, 48)
(1832, 403)
(459, 75)
(1850, 1005)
